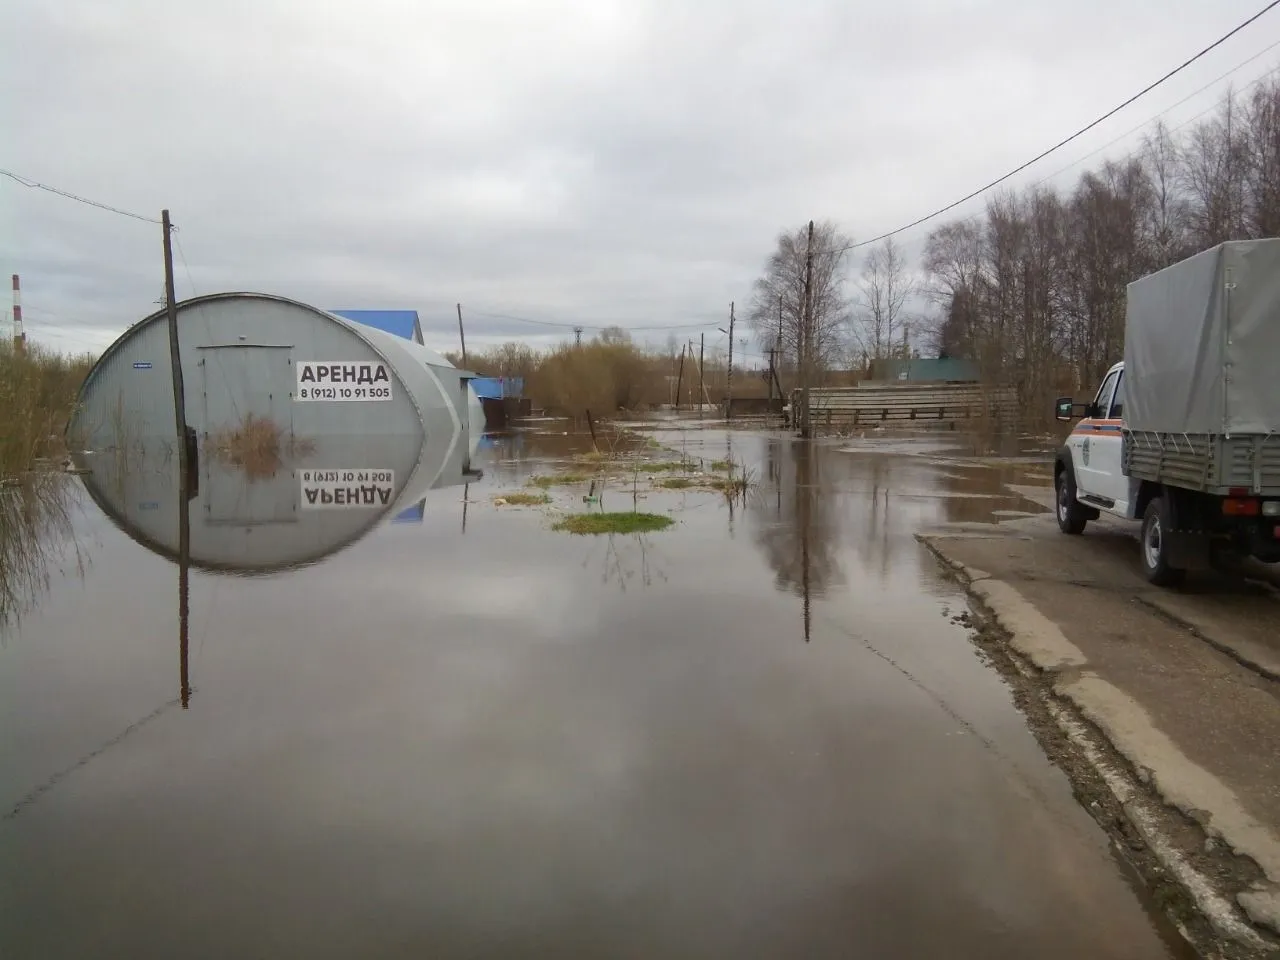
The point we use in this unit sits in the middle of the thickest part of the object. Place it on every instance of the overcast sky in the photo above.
(577, 161)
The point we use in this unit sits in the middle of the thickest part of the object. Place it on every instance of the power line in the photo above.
(1062, 143)
(591, 326)
(37, 185)
(183, 254)
(1153, 119)
(1150, 120)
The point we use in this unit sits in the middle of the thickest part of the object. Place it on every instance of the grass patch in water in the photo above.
(668, 466)
(722, 466)
(557, 479)
(676, 483)
(523, 499)
(735, 485)
(613, 523)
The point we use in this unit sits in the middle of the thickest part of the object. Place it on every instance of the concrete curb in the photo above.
(1158, 762)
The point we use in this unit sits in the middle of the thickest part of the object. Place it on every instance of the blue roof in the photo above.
(402, 323)
(495, 388)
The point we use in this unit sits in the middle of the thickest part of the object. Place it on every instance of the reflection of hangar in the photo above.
(266, 523)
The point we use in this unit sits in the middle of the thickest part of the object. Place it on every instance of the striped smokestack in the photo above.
(19, 335)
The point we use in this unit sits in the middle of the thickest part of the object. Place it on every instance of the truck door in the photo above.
(1107, 453)
(1089, 443)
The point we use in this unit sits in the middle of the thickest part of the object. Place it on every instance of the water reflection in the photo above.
(626, 559)
(515, 455)
(305, 505)
(36, 538)
(321, 498)
(797, 521)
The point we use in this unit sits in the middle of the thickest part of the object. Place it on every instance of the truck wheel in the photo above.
(1154, 545)
(1072, 515)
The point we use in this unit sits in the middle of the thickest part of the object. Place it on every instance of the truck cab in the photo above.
(1094, 450)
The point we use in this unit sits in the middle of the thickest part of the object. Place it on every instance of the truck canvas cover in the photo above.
(1202, 343)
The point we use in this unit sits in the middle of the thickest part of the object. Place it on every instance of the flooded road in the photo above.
(759, 733)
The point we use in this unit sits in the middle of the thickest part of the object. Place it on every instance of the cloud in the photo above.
(584, 161)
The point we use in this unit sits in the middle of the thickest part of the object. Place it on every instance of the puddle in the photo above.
(440, 727)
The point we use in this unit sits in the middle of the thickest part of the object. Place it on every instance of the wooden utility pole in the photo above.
(728, 377)
(778, 344)
(175, 360)
(775, 359)
(184, 465)
(702, 383)
(462, 336)
(680, 378)
(806, 323)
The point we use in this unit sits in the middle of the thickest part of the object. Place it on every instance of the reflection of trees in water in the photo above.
(873, 518)
(797, 525)
(624, 557)
(36, 537)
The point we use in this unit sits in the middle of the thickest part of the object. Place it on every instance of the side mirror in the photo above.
(1067, 409)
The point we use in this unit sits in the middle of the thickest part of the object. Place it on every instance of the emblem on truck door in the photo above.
(1084, 452)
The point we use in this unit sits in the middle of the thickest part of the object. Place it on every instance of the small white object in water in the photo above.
(499, 502)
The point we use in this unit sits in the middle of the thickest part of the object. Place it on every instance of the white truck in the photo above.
(1184, 434)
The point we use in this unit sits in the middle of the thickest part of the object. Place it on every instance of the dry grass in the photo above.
(736, 484)
(733, 485)
(596, 523)
(35, 536)
(522, 499)
(38, 391)
(257, 445)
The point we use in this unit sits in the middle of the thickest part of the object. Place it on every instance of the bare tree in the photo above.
(1261, 144)
(1034, 291)
(1166, 213)
(953, 270)
(779, 292)
(886, 288)
(615, 336)
(1214, 162)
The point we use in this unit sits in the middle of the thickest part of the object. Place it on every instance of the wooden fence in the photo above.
(908, 404)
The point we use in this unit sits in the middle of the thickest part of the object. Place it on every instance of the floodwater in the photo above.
(759, 733)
